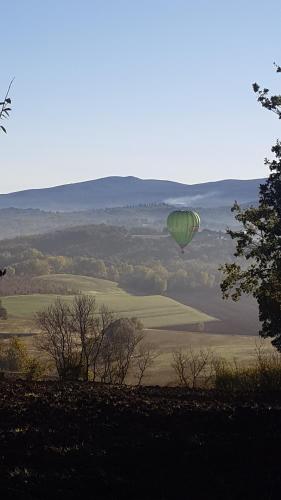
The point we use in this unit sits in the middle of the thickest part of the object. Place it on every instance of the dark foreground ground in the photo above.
(86, 441)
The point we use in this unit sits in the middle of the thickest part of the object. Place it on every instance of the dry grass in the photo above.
(230, 347)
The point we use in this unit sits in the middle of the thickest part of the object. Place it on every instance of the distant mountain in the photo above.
(123, 191)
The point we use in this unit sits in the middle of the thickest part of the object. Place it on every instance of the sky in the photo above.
(151, 88)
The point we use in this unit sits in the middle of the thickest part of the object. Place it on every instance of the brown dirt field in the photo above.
(91, 441)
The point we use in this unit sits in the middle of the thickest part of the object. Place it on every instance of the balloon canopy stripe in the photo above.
(182, 225)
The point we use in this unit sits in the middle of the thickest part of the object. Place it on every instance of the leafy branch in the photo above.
(273, 103)
(5, 106)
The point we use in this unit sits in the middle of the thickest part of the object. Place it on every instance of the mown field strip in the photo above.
(155, 311)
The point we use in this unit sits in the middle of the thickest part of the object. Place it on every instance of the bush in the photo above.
(264, 375)
(193, 367)
(143, 279)
(196, 368)
(15, 355)
(3, 312)
(33, 369)
(14, 358)
(232, 380)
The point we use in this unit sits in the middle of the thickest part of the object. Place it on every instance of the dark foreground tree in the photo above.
(257, 270)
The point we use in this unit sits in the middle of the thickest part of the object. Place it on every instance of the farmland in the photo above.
(169, 324)
(241, 348)
(138, 443)
(154, 311)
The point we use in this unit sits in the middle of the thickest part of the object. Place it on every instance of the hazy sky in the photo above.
(151, 88)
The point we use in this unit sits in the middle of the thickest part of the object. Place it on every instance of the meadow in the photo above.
(169, 324)
(233, 348)
(155, 311)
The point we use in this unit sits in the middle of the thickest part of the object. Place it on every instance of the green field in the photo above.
(160, 315)
(155, 311)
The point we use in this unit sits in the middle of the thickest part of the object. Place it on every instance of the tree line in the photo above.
(152, 278)
(25, 285)
(137, 269)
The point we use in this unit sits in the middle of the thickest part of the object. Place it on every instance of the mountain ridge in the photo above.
(114, 191)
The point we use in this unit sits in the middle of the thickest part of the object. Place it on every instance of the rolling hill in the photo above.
(170, 325)
(155, 311)
(123, 191)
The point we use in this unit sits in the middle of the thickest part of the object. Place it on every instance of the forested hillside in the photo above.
(138, 218)
(140, 262)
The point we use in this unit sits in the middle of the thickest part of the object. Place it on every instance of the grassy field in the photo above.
(161, 317)
(155, 311)
(240, 348)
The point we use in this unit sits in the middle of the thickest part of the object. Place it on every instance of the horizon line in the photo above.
(71, 183)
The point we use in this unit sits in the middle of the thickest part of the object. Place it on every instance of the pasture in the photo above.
(155, 311)
(169, 324)
(240, 348)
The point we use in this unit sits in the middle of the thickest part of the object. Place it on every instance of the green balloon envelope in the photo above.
(182, 226)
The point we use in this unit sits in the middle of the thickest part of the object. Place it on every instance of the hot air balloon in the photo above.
(182, 225)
